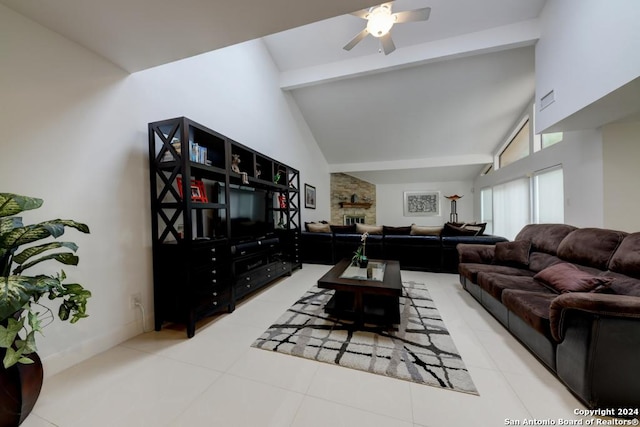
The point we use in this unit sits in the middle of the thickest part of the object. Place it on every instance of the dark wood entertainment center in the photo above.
(225, 221)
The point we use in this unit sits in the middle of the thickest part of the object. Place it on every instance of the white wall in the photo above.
(587, 49)
(390, 199)
(75, 134)
(621, 152)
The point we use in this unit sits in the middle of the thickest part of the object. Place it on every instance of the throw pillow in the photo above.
(423, 230)
(451, 229)
(343, 229)
(565, 277)
(371, 229)
(396, 231)
(512, 253)
(319, 228)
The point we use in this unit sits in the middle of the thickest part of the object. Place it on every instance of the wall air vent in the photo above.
(547, 100)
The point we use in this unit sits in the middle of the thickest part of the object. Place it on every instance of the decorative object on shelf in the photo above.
(168, 155)
(197, 153)
(421, 203)
(453, 216)
(360, 257)
(279, 174)
(21, 371)
(198, 193)
(309, 196)
(235, 167)
(354, 198)
(282, 201)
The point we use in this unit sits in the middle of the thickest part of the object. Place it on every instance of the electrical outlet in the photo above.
(135, 299)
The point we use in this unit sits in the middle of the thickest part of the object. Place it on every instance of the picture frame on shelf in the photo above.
(309, 196)
(421, 203)
(198, 193)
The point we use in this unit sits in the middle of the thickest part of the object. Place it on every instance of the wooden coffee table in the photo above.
(362, 299)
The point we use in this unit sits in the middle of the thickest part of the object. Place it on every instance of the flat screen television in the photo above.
(248, 213)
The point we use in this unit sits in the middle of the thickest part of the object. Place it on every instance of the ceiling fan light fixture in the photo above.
(380, 21)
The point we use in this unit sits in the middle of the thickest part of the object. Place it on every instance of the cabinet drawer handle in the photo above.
(247, 278)
(268, 269)
(214, 281)
(213, 250)
(213, 271)
(268, 275)
(214, 259)
(215, 294)
(215, 303)
(248, 286)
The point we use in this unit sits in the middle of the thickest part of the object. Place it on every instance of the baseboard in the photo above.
(58, 362)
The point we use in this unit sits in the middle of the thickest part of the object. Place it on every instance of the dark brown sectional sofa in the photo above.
(572, 297)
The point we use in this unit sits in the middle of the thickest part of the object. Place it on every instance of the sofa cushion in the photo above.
(626, 259)
(396, 231)
(471, 270)
(371, 229)
(452, 229)
(545, 237)
(425, 230)
(538, 261)
(343, 229)
(513, 253)
(622, 284)
(566, 277)
(532, 307)
(495, 283)
(318, 228)
(593, 247)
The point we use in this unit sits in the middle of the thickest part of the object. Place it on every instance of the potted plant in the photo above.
(21, 317)
(360, 257)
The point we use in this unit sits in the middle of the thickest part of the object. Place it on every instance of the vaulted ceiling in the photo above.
(433, 110)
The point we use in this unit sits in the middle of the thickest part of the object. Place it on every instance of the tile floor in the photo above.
(216, 378)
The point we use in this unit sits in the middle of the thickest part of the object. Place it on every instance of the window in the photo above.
(549, 139)
(517, 148)
(548, 196)
(511, 207)
(486, 209)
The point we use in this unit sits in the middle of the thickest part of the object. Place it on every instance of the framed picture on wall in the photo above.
(309, 196)
(421, 203)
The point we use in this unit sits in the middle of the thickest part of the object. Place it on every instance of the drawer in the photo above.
(259, 276)
(208, 255)
(212, 276)
(213, 300)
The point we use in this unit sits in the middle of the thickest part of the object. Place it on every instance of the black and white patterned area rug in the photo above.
(419, 349)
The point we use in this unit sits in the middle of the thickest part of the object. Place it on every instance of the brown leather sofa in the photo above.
(572, 297)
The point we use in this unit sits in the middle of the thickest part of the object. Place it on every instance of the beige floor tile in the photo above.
(373, 393)
(316, 412)
(237, 402)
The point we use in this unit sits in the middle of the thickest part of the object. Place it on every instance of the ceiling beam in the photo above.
(431, 162)
(511, 36)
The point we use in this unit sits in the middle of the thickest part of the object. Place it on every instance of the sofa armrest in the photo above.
(591, 303)
(475, 253)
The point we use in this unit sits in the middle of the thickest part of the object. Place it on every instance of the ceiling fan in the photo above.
(379, 23)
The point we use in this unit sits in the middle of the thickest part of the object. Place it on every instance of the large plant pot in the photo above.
(19, 389)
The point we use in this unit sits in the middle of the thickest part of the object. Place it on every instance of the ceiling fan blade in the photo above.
(387, 44)
(364, 13)
(412, 15)
(362, 34)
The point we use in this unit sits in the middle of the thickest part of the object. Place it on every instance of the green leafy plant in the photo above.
(19, 294)
(359, 255)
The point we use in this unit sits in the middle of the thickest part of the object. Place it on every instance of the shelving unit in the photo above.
(197, 260)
